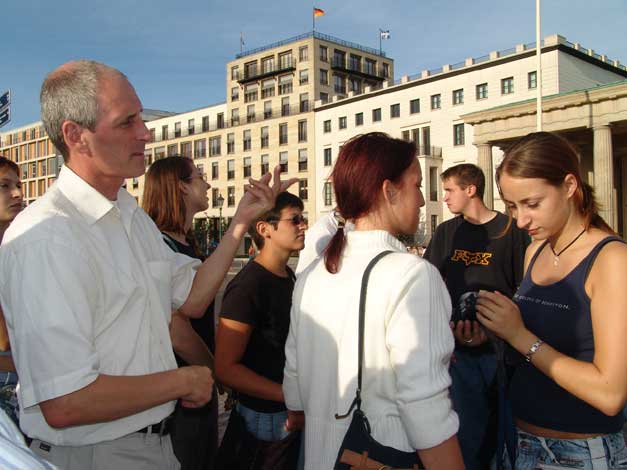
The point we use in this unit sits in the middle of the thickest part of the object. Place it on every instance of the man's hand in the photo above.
(259, 196)
(199, 382)
(295, 420)
(469, 333)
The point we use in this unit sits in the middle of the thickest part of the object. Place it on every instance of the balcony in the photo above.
(365, 71)
(284, 65)
(428, 151)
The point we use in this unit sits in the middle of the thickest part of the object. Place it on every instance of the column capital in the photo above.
(598, 127)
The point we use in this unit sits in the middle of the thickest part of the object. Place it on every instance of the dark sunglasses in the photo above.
(296, 220)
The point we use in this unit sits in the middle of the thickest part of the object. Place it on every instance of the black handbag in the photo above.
(241, 450)
(359, 451)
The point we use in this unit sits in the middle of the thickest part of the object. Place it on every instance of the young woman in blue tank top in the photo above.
(568, 319)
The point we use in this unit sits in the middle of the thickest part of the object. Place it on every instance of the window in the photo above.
(433, 183)
(285, 84)
(147, 162)
(303, 77)
(235, 93)
(135, 183)
(326, 126)
(458, 134)
(220, 121)
(190, 127)
(302, 131)
(215, 172)
(164, 132)
(341, 122)
(339, 84)
(246, 140)
(283, 161)
(302, 160)
(405, 136)
(230, 196)
(436, 101)
(285, 106)
(152, 136)
(324, 77)
(235, 72)
(532, 80)
(285, 60)
(458, 96)
(482, 91)
(414, 106)
(267, 88)
(205, 122)
(376, 115)
(354, 85)
(324, 53)
(250, 113)
(230, 143)
(173, 149)
(359, 119)
(200, 148)
(250, 69)
(324, 97)
(371, 67)
(328, 194)
(507, 86)
(247, 167)
(215, 146)
(235, 117)
(304, 102)
(283, 134)
(267, 109)
(215, 194)
(177, 129)
(186, 149)
(265, 164)
(354, 63)
(415, 136)
(302, 189)
(265, 137)
(327, 157)
(386, 70)
(267, 64)
(230, 169)
(395, 110)
(339, 58)
(250, 93)
(303, 53)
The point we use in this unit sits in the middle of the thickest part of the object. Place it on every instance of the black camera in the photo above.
(467, 306)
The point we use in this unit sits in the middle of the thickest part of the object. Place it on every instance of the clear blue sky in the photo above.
(175, 52)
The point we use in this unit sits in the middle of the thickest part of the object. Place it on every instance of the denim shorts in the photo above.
(606, 452)
(264, 426)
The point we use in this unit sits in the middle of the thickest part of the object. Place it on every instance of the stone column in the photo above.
(484, 161)
(603, 167)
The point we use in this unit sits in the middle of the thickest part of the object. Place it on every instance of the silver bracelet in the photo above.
(533, 349)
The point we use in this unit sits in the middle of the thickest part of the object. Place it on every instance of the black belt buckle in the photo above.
(161, 428)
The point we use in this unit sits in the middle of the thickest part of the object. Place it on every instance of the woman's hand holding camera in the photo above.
(469, 333)
(500, 315)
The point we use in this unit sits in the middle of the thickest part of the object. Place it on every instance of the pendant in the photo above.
(556, 261)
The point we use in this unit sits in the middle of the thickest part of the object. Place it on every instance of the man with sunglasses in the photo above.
(254, 323)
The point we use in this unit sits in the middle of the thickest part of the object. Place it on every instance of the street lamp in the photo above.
(220, 201)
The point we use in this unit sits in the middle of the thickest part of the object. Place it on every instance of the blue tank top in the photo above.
(559, 314)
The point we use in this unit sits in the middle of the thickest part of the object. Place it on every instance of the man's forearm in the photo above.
(212, 272)
(113, 397)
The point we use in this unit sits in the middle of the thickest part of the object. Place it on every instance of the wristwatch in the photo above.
(533, 349)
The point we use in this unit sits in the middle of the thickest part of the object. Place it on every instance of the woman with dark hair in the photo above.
(376, 181)
(567, 318)
(175, 190)
(11, 204)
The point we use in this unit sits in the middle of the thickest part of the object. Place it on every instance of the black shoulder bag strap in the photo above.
(168, 241)
(362, 317)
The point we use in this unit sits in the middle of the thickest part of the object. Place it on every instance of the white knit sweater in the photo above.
(408, 345)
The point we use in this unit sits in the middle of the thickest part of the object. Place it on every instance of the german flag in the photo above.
(318, 12)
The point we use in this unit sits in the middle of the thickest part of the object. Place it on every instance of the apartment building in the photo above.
(428, 108)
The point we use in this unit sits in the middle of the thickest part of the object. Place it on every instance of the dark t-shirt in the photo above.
(471, 257)
(205, 325)
(263, 300)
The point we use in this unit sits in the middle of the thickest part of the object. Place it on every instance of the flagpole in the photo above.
(538, 69)
(380, 38)
(313, 18)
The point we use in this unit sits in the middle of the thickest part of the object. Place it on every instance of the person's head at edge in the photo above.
(463, 185)
(175, 190)
(376, 181)
(540, 182)
(11, 196)
(93, 117)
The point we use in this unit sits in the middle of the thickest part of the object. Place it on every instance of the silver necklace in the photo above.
(556, 256)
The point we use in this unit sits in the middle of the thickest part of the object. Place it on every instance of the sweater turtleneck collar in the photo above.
(372, 240)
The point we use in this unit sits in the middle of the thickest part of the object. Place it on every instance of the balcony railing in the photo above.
(429, 151)
(365, 70)
(287, 64)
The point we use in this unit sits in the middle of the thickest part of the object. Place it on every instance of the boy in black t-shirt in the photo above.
(254, 322)
(474, 251)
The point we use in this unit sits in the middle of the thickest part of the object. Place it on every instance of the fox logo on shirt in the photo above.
(469, 257)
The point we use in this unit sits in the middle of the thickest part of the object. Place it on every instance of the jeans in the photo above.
(473, 392)
(606, 452)
(264, 426)
(8, 397)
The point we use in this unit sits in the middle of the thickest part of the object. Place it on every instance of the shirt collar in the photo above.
(89, 202)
